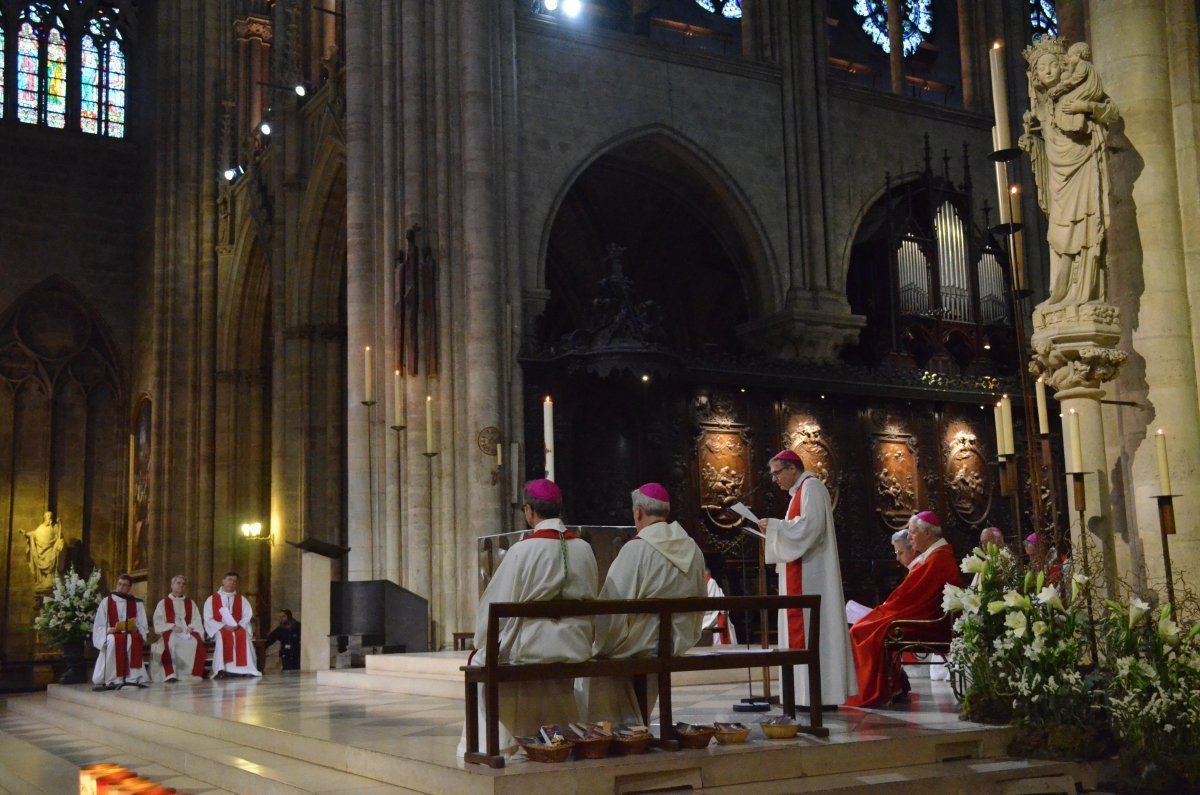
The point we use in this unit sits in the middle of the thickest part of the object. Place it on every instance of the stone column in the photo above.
(1131, 42)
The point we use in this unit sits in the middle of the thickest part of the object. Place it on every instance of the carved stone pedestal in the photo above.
(1074, 351)
(815, 334)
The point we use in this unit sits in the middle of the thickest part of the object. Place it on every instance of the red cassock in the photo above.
(919, 598)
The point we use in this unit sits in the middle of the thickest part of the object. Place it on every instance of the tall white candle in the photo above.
(1000, 96)
(1043, 412)
(1164, 470)
(548, 435)
(430, 442)
(1010, 448)
(398, 402)
(1076, 442)
(1001, 184)
(999, 430)
(499, 453)
(514, 471)
(368, 375)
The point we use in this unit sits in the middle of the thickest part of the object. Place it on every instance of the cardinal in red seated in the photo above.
(918, 597)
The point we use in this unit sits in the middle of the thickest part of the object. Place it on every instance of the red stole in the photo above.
(131, 656)
(552, 535)
(232, 637)
(794, 576)
(198, 658)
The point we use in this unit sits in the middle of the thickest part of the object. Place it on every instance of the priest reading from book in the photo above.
(179, 652)
(918, 597)
(227, 617)
(661, 562)
(803, 547)
(119, 632)
(550, 564)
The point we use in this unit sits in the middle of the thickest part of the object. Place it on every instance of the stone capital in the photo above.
(1074, 346)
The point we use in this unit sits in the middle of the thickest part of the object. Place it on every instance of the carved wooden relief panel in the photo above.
(722, 467)
(806, 437)
(968, 487)
(898, 485)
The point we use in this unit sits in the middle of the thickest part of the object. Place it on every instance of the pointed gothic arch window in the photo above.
(102, 77)
(3, 61)
(41, 66)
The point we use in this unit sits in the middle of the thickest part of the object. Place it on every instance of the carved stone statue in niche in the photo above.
(1065, 134)
(43, 551)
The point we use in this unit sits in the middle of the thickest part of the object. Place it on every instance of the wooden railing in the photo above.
(491, 675)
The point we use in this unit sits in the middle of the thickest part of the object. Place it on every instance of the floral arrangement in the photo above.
(1153, 692)
(67, 613)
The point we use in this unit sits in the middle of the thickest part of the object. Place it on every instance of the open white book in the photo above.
(855, 611)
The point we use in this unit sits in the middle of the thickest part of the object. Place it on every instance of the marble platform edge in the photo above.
(216, 762)
(360, 679)
(419, 775)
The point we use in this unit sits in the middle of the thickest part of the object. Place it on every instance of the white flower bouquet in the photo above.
(67, 613)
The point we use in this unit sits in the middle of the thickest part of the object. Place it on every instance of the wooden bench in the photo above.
(490, 675)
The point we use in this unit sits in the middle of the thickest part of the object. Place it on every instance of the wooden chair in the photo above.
(922, 639)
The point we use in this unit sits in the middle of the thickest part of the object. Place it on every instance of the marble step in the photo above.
(212, 759)
(41, 757)
(419, 776)
(967, 776)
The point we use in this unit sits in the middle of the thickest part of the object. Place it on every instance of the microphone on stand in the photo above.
(752, 703)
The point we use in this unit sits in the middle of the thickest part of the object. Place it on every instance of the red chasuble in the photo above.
(794, 574)
(233, 639)
(198, 658)
(919, 598)
(131, 656)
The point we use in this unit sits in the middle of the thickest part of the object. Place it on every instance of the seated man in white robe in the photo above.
(227, 617)
(661, 562)
(119, 633)
(549, 564)
(179, 652)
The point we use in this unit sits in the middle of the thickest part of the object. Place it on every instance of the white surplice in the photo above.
(712, 617)
(105, 672)
(662, 562)
(217, 617)
(536, 570)
(811, 539)
(183, 646)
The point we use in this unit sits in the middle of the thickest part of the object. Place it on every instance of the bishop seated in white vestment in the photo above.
(549, 564)
(119, 633)
(227, 617)
(661, 562)
(179, 652)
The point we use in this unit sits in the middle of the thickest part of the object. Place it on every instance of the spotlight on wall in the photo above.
(572, 7)
(645, 378)
(254, 531)
(300, 90)
(232, 173)
(265, 128)
(550, 5)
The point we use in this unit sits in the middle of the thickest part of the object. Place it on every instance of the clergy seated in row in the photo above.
(918, 597)
(227, 617)
(119, 633)
(549, 564)
(661, 562)
(179, 652)
(717, 621)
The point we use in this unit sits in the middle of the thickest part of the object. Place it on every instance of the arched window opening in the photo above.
(102, 78)
(3, 61)
(41, 66)
(953, 264)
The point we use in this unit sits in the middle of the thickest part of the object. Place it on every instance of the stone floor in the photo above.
(298, 736)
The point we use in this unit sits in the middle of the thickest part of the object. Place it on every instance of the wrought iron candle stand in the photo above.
(1166, 527)
(1081, 507)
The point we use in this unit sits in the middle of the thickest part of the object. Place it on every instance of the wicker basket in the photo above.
(548, 753)
(734, 737)
(629, 746)
(700, 738)
(780, 731)
(594, 747)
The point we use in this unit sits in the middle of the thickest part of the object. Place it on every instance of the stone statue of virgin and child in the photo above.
(1064, 133)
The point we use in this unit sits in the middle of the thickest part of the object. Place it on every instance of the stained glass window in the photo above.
(730, 9)
(916, 22)
(102, 79)
(2, 59)
(56, 79)
(1043, 16)
(29, 84)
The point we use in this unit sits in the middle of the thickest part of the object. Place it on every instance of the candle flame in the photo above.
(429, 398)
(368, 347)
(548, 400)
(397, 372)
(1072, 411)
(1160, 431)
(995, 45)
(1014, 190)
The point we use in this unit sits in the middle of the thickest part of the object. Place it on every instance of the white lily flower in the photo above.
(1017, 622)
(1137, 609)
(973, 565)
(1049, 596)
